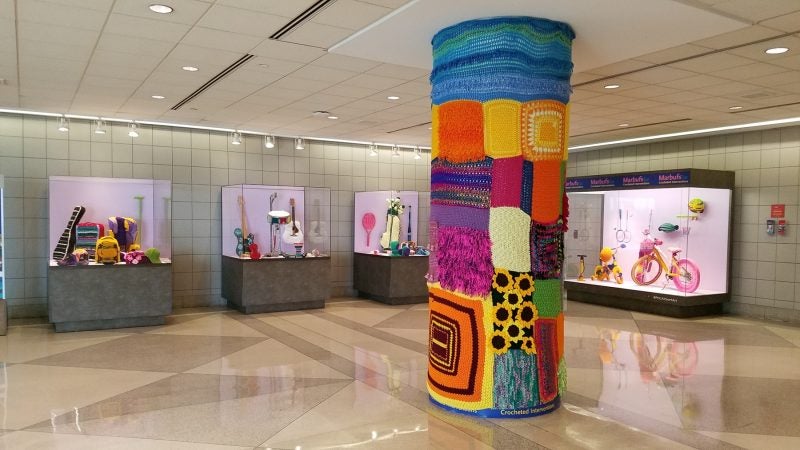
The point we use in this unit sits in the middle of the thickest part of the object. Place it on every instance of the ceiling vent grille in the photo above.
(301, 18)
(216, 78)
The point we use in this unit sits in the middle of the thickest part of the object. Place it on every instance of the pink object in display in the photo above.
(368, 222)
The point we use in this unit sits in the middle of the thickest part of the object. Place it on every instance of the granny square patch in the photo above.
(544, 130)
(461, 131)
(502, 133)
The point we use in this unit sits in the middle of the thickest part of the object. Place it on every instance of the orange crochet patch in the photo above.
(434, 131)
(461, 131)
(502, 133)
(544, 128)
(547, 185)
(457, 346)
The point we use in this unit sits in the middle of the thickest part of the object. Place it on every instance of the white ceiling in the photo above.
(107, 57)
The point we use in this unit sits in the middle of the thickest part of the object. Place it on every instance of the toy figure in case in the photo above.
(608, 266)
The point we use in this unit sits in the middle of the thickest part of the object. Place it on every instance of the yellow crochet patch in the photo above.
(434, 131)
(502, 128)
(509, 231)
(544, 130)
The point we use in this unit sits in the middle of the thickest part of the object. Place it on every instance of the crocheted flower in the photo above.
(524, 284)
(500, 342)
(502, 314)
(527, 314)
(513, 298)
(514, 331)
(528, 346)
(503, 281)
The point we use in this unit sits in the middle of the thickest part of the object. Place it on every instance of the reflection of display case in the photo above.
(376, 274)
(291, 267)
(654, 241)
(97, 296)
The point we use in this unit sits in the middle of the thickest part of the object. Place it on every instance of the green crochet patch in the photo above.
(547, 297)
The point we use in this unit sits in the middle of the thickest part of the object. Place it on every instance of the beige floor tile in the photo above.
(31, 342)
(417, 319)
(36, 393)
(374, 420)
(415, 335)
(761, 362)
(592, 327)
(241, 422)
(210, 325)
(645, 316)
(48, 441)
(757, 441)
(269, 359)
(791, 334)
(366, 316)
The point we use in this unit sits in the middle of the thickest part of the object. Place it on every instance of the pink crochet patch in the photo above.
(433, 266)
(506, 182)
(464, 258)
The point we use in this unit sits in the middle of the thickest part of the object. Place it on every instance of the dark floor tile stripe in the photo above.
(365, 329)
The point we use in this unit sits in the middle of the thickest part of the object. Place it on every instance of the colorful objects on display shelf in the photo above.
(499, 89)
(697, 205)
(608, 267)
(66, 243)
(107, 250)
(684, 273)
(581, 267)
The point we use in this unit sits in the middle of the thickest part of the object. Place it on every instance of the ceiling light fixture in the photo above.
(776, 50)
(298, 144)
(157, 97)
(190, 68)
(393, 97)
(395, 151)
(333, 117)
(416, 153)
(63, 125)
(269, 141)
(236, 138)
(734, 108)
(99, 127)
(373, 149)
(161, 9)
(611, 86)
(133, 130)
(624, 125)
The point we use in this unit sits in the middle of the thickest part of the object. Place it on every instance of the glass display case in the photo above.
(275, 247)
(654, 241)
(282, 221)
(84, 210)
(373, 232)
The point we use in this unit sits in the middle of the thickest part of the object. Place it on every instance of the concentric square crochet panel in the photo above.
(500, 92)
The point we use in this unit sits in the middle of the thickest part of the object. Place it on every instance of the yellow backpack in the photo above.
(107, 249)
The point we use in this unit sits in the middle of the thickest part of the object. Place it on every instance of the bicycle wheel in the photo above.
(688, 279)
(645, 270)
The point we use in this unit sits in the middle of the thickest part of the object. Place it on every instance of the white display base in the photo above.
(655, 288)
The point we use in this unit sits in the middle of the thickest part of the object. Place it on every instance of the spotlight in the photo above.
(776, 50)
(133, 130)
(269, 141)
(416, 153)
(236, 138)
(99, 127)
(395, 152)
(373, 150)
(161, 9)
(298, 144)
(63, 125)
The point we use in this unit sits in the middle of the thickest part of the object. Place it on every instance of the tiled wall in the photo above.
(766, 269)
(198, 163)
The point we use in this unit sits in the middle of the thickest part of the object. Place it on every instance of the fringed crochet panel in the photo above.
(500, 120)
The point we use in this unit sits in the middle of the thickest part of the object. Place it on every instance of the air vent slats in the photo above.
(301, 18)
(216, 78)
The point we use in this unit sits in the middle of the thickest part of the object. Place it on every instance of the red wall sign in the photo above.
(778, 211)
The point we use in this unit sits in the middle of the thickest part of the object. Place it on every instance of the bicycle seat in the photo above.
(675, 250)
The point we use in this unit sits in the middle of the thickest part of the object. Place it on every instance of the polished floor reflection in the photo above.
(353, 376)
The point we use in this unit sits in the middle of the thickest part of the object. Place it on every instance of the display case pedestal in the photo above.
(391, 280)
(662, 303)
(81, 298)
(275, 284)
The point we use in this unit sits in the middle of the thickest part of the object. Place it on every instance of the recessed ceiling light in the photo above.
(190, 68)
(734, 108)
(611, 86)
(161, 9)
(263, 66)
(333, 117)
(776, 50)
(624, 125)
(157, 97)
(393, 97)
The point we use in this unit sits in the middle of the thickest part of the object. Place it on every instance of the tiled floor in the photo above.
(353, 376)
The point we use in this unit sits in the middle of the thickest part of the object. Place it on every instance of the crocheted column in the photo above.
(500, 89)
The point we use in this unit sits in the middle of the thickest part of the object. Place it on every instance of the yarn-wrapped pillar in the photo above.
(500, 89)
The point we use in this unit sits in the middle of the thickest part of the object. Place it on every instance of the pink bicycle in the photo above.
(683, 272)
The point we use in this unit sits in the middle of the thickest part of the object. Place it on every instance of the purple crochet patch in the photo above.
(464, 257)
(460, 216)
